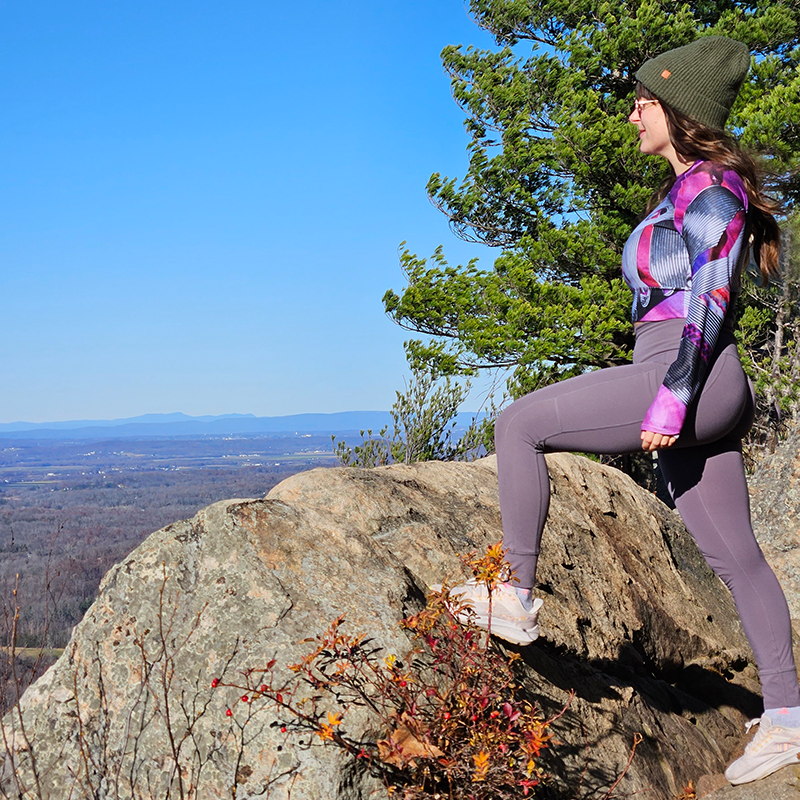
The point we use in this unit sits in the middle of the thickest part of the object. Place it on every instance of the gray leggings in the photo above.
(601, 412)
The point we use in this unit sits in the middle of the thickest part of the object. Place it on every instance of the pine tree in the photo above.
(556, 181)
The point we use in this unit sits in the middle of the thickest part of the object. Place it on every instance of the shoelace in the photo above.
(750, 724)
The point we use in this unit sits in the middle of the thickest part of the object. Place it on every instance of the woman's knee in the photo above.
(524, 421)
(504, 426)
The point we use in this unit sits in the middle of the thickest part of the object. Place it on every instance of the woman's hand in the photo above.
(656, 441)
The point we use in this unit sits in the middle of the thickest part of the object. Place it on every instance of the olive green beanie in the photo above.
(700, 80)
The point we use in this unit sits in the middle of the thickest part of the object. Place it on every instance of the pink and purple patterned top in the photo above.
(683, 261)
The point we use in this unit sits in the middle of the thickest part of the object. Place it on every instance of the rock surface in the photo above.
(775, 499)
(782, 785)
(633, 621)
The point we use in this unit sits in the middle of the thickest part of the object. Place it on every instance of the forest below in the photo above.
(69, 510)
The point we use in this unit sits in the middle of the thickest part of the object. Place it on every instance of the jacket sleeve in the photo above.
(710, 215)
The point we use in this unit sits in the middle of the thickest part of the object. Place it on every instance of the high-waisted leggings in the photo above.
(601, 412)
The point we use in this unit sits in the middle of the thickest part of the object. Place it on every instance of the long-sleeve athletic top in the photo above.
(683, 261)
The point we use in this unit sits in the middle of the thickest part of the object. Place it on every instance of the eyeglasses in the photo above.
(640, 104)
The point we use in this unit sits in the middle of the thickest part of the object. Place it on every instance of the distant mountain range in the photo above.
(178, 424)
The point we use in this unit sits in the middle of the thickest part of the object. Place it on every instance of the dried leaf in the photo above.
(402, 747)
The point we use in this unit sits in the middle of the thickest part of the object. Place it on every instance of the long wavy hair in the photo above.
(693, 141)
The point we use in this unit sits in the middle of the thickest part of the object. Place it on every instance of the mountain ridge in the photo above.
(179, 424)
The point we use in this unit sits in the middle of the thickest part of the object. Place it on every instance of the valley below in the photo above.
(70, 509)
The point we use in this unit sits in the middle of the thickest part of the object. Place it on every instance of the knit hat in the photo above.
(700, 80)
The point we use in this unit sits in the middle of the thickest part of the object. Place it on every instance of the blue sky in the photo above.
(202, 202)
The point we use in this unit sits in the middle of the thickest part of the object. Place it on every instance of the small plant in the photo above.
(424, 418)
(110, 760)
(423, 428)
(374, 451)
(455, 720)
(688, 792)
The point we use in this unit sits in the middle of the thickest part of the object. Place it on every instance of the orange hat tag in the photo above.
(665, 74)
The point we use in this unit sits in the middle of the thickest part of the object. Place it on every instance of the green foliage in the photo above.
(424, 419)
(510, 317)
(769, 340)
(556, 179)
(423, 428)
(374, 451)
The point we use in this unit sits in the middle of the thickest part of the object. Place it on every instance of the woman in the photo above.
(685, 393)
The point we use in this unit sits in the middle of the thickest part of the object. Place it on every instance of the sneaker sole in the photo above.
(512, 634)
(505, 629)
(778, 761)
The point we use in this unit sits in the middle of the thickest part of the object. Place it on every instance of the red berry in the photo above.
(447, 715)
(214, 683)
(228, 712)
(245, 698)
(283, 729)
(264, 688)
(403, 684)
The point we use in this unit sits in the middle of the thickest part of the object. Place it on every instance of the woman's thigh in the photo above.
(598, 412)
(601, 412)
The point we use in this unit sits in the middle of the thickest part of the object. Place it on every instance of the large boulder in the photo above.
(634, 622)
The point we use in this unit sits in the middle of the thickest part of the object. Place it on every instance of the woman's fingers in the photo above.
(656, 441)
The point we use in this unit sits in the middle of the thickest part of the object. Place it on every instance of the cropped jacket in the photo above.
(683, 260)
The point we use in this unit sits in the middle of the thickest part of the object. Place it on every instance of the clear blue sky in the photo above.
(202, 202)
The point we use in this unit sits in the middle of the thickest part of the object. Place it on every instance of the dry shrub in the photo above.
(454, 718)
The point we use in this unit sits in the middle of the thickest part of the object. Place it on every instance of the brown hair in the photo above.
(693, 141)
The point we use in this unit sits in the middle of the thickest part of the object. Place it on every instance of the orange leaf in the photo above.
(402, 747)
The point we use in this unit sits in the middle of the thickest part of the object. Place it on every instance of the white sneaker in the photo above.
(510, 620)
(772, 747)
